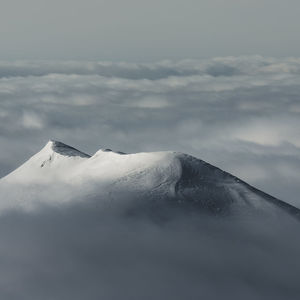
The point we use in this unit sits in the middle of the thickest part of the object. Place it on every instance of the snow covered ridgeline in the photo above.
(61, 174)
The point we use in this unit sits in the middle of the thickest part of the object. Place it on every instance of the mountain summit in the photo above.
(62, 174)
(63, 149)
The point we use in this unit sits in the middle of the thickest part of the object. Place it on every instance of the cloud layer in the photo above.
(239, 113)
(83, 252)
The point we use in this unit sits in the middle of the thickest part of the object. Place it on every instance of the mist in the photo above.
(85, 251)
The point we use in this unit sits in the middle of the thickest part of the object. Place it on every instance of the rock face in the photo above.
(61, 174)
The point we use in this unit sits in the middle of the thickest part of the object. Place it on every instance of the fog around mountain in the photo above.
(139, 241)
(240, 114)
(81, 252)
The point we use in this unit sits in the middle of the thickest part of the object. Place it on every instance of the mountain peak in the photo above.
(63, 149)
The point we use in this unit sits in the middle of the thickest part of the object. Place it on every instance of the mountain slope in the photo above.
(62, 174)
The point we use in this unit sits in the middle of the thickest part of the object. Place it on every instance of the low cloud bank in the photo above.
(83, 252)
(239, 113)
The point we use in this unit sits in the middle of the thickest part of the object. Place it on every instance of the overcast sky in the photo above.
(140, 30)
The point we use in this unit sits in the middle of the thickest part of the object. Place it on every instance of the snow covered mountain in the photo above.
(61, 174)
(161, 225)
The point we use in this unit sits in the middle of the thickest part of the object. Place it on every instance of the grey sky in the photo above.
(139, 30)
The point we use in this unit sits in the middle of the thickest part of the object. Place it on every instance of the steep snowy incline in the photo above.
(206, 186)
(61, 174)
(53, 162)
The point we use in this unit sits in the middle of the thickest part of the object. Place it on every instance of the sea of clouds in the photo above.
(79, 252)
(241, 114)
(238, 113)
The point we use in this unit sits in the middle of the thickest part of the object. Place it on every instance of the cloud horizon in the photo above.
(238, 113)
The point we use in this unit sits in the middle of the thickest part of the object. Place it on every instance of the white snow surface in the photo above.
(61, 174)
